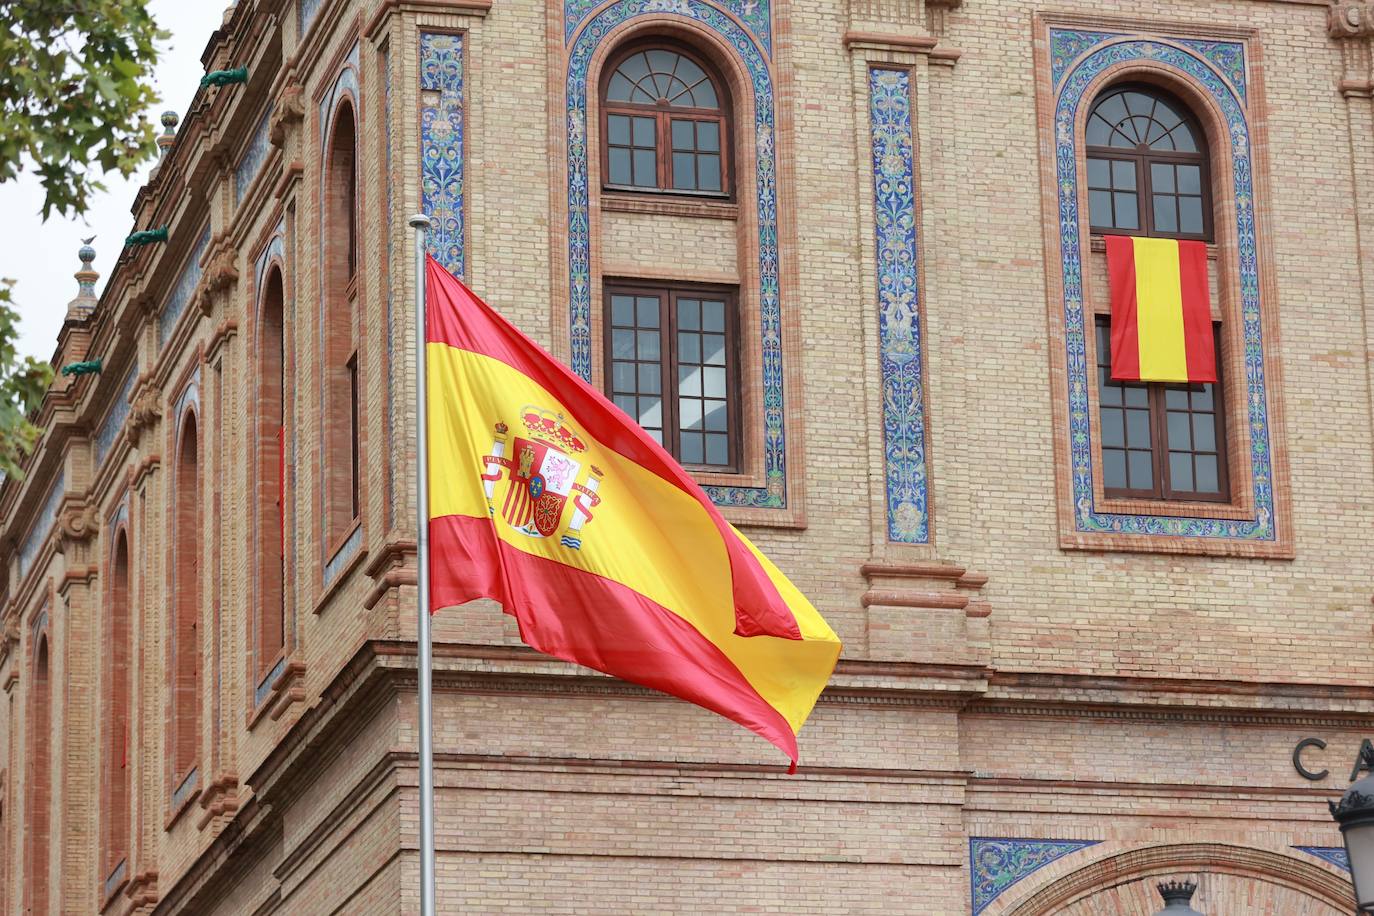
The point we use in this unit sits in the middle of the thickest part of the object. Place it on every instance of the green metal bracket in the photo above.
(89, 367)
(147, 237)
(224, 77)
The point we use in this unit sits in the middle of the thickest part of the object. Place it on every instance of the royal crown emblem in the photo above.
(543, 478)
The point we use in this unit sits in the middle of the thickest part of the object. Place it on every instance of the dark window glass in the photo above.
(664, 125)
(1160, 441)
(1147, 165)
(671, 366)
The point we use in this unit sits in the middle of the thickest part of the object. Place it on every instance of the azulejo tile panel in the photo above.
(1083, 56)
(1336, 855)
(996, 863)
(441, 145)
(183, 289)
(773, 495)
(114, 419)
(253, 157)
(47, 517)
(754, 15)
(899, 318)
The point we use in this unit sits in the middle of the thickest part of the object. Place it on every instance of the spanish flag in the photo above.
(545, 497)
(1161, 310)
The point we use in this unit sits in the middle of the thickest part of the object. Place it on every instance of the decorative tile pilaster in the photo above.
(899, 306)
(441, 145)
(995, 863)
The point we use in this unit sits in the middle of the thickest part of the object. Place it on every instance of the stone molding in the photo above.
(1350, 19)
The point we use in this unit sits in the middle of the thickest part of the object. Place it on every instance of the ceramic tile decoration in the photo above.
(899, 319)
(183, 289)
(1076, 59)
(115, 417)
(996, 863)
(441, 146)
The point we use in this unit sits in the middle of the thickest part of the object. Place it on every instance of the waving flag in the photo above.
(1161, 310)
(544, 496)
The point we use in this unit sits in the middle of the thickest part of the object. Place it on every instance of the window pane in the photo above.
(1181, 470)
(622, 310)
(689, 314)
(683, 136)
(623, 377)
(1099, 207)
(688, 348)
(693, 451)
(717, 416)
(1190, 215)
(1138, 428)
(1114, 469)
(1161, 177)
(713, 381)
(1207, 474)
(1099, 131)
(644, 132)
(620, 166)
(1205, 432)
(618, 129)
(713, 349)
(1137, 396)
(650, 378)
(717, 449)
(648, 311)
(704, 95)
(708, 136)
(1183, 139)
(684, 171)
(1166, 214)
(662, 61)
(689, 381)
(1123, 176)
(646, 169)
(1190, 179)
(1099, 173)
(651, 413)
(636, 67)
(1113, 428)
(1176, 399)
(708, 169)
(619, 88)
(648, 345)
(1180, 435)
(626, 402)
(689, 413)
(1202, 400)
(1127, 217)
(1109, 395)
(713, 315)
(1142, 472)
(688, 72)
(623, 344)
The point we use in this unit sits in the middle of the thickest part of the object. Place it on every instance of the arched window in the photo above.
(1149, 175)
(115, 755)
(342, 420)
(665, 124)
(39, 803)
(1147, 166)
(186, 523)
(270, 620)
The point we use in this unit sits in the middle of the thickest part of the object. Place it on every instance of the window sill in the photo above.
(1173, 508)
(615, 201)
(1098, 243)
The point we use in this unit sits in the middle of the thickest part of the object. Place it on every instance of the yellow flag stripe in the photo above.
(1159, 311)
(646, 533)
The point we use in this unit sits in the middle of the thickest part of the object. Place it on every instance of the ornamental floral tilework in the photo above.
(995, 864)
(899, 319)
(1076, 59)
(441, 145)
(773, 495)
(1336, 855)
(754, 14)
(183, 289)
(253, 157)
(114, 419)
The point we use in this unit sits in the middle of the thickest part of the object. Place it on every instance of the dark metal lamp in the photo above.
(1355, 814)
(1178, 896)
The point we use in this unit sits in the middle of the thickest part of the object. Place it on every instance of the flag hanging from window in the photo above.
(1161, 310)
(547, 498)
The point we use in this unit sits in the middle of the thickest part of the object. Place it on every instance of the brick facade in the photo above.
(1048, 699)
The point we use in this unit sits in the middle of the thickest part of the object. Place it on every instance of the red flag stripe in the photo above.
(553, 605)
(1197, 312)
(458, 318)
(1125, 333)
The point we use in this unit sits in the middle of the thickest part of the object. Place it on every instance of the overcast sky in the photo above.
(41, 256)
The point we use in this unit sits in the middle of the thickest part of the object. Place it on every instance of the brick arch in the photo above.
(1125, 882)
(269, 456)
(38, 801)
(116, 702)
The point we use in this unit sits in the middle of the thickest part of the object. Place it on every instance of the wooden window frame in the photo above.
(663, 130)
(1159, 436)
(1142, 157)
(668, 294)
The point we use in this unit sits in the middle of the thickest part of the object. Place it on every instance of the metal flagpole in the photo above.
(420, 223)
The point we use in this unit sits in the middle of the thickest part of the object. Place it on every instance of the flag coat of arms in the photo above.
(545, 497)
(1161, 310)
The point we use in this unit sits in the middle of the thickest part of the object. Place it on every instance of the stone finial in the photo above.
(168, 137)
(228, 14)
(84, 304)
